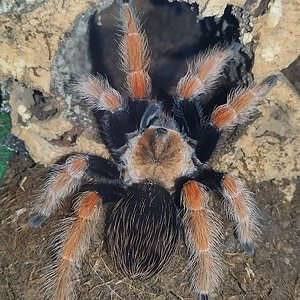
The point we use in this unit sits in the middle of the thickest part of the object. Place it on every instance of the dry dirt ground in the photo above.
(273, 273)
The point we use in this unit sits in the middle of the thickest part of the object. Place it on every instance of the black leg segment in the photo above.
(192, 122)
(114, 126)
(101, 167)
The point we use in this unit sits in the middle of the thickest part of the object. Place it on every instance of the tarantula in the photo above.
(158, 178)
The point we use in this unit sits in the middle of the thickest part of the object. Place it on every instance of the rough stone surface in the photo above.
(49, 139)
(276, 35)
(30, 41)
(18, 5)
(32, 49)
(269, 149)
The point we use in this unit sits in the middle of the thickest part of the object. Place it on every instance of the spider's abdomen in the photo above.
(143, 231)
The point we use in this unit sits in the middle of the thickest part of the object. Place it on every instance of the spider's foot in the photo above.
(37, 220)
(235, 48)
(248, 248)
(204, 297)
(270, 81)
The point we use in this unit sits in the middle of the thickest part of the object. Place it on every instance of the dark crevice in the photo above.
(175, 35)
(262, 8)
(292, 73)
(68, 138)
(43, 108)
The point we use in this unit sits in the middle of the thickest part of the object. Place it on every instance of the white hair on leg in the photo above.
(204, 71)
(98, 93)
(62, 181)
(75, 236)
(242, 209)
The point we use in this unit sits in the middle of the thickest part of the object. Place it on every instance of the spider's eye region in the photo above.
(161, 131)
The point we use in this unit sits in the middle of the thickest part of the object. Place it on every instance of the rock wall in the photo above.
(32, 43)
(35, 36)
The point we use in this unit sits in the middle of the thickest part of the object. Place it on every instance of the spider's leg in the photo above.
(97, 93)
(115, 126)
(115, 116)
(190, 117)
(204, 71)
(238, 203)
(102, 168)
(202, 231)
(65, 179)
(241, 208)
(241, 103)
(134, 52)
(71, 246)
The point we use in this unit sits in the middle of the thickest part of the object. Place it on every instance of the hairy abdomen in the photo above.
(143, 231)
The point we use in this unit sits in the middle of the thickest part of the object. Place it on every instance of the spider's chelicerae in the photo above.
(158, 179)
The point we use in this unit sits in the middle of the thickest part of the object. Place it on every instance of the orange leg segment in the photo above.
(74, 242)
(97, 93)
(242, 210)
(134, 55)
(62, 182)
(202, 234)
(204, 71)
(241, 104)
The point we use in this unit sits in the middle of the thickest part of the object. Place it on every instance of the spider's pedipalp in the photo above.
(242, 210)
(97, 93)
(135, 55)
(241, 103)
(63, 181)
(72, 244)
(202, 231)
(192, 121)
(204, 70)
